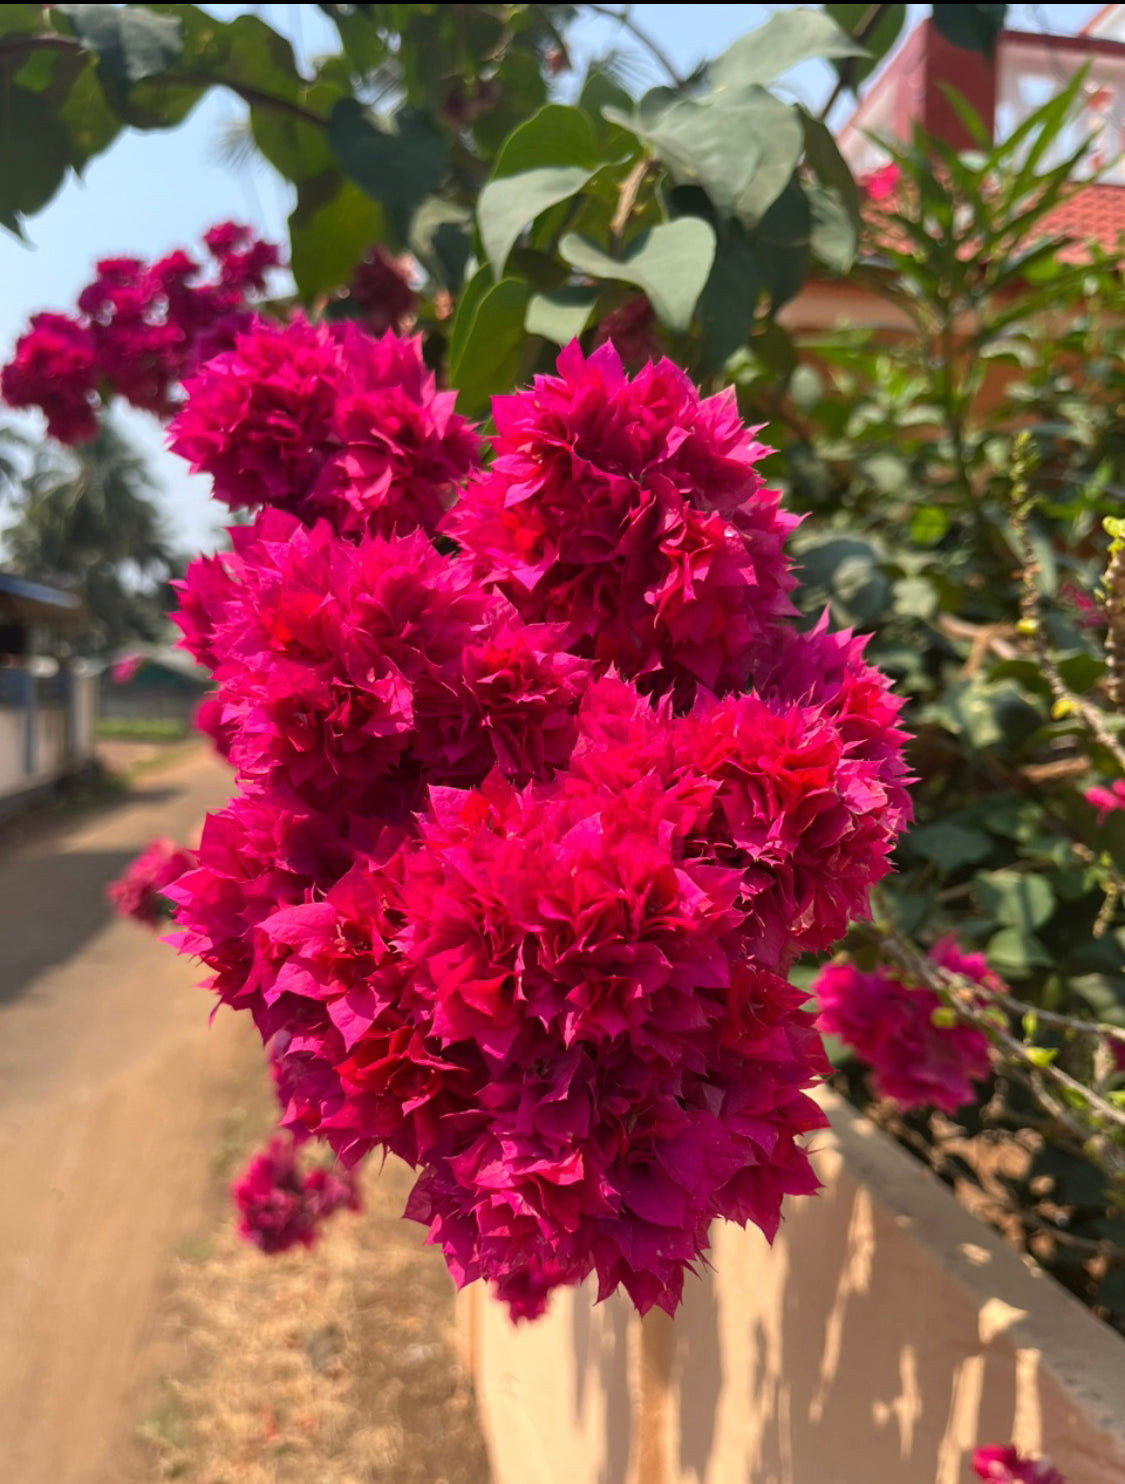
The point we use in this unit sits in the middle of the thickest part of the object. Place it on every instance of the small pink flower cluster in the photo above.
(529, 833)
(279, 1207)
(1009, 1466)
(890, 1026)
(139, 891)
(139, 330)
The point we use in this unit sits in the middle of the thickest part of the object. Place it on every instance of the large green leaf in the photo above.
(489, 353)
(786, 40)
(545, 161)
(397, 161)
(740, 145)
(670, 262)
(507, 206)
(555, 135)
(330, 229)
(34, 154)
(131, 42)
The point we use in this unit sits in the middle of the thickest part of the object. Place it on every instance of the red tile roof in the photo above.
(1095, 214)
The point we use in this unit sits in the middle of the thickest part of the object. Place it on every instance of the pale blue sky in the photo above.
(153, 192)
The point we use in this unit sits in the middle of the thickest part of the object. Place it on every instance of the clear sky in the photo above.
(152, 192)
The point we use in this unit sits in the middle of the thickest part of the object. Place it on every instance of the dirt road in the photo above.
(112, 1095)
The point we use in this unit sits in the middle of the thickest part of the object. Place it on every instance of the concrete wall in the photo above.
(63, 739)
(885, 1335)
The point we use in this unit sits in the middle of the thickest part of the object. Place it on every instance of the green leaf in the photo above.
(560, 316)
(741, 147)
(845, 570)
(877, 41)
(441, 240)
(822, 153)
(397, 161)
(929, 524)
(670, 263)
(507, 206)
(785, 41)
(1016, 954)
(330, 229)
(1041, 1056)
(972, 27)
(34, 154)
(467, 305)
(131, 42)
(546, 160)
(489, 353)
(729, 300)
(1015, 898)
(833, 236)
(950, 846)
(556, 135)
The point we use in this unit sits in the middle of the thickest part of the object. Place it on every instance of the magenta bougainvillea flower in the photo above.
(140, 329)
(279, 1207)
(1106, 801)
(325, 420)
(139, 892)
(1009, 1466)
(881, 184)
(529, 832)
(890, 1026)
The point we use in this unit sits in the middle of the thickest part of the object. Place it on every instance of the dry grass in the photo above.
(335, 1366)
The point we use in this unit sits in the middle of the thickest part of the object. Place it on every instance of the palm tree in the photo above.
(84, 518)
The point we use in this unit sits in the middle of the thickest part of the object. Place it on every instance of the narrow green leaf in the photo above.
(330, 229)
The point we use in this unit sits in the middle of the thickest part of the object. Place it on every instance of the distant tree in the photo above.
(85, 519)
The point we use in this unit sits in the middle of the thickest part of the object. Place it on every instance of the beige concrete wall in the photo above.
(885, 1335)
(12, 775)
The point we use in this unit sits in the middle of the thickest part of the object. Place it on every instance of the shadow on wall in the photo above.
(862, 1365)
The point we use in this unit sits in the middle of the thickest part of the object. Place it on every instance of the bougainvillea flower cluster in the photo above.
(1009, 1466)
(381, 293)
(140, 328)
(328, 421)
(539, 799)
(280, 1206)
(916, 1059)
(139, 891)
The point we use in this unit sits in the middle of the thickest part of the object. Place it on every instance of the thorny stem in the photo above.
(971, 1002)
(638, 33)
(1113, 599)
(1030, 624)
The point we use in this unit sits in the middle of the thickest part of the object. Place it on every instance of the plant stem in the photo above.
(847, 67)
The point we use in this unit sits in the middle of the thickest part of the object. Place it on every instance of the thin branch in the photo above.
(254, 97)
(847, 68)
(638, 33)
